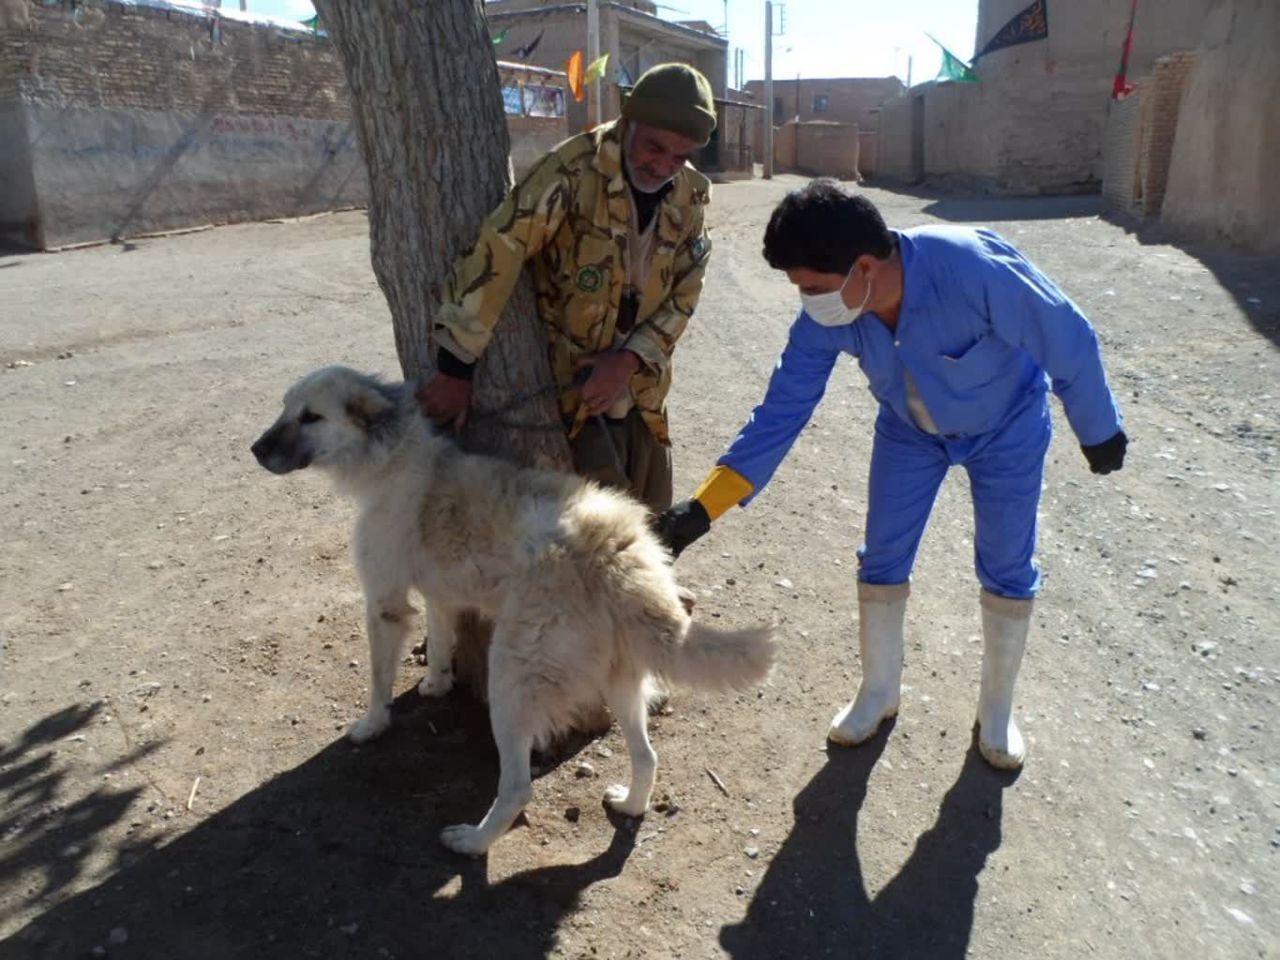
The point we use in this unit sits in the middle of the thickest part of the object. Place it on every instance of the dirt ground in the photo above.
(183, 642)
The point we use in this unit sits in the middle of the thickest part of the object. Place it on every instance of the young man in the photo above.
(613, 222)
(960, 337)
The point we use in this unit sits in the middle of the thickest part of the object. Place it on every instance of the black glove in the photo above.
(679, 526)
(1108, 455)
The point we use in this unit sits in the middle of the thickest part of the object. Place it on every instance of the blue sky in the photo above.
(824, 38)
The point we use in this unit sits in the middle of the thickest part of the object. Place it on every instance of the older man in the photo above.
(613, 223)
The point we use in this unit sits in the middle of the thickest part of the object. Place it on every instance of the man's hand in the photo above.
(680, 525)
(445, 399)
(611, 371)
(1108, 455)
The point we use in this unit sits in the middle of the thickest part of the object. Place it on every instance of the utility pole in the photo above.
(768, 89)
(908, 72)
(727, 69)
(593, 54)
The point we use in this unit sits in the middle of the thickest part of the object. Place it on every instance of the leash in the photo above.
(526, 397)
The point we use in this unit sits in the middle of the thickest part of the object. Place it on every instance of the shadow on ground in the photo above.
(1253, 280)
(336, 858)
(45, 840)
(957, 207)
(813, 902)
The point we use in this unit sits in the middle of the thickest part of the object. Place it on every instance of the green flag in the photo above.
(313, 23)
(499, 38)
(953, 68)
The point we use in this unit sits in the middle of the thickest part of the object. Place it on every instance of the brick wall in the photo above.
(110, 55)
(1161, 101)
(1121, 186)
(1140, 135)
(142, 119)
(896, 161)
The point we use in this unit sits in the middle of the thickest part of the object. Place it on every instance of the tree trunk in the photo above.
(428, 106)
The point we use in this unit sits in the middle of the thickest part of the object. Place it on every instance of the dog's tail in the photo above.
(711, 659)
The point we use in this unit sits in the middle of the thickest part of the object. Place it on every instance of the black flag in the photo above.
(1031, 24)
(523, 53)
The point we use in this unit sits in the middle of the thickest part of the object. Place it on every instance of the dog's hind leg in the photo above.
(387, 619)
(627, 702)
(514, 728)
(441, 641)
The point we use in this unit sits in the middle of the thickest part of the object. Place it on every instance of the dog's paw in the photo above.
(465, 839)
(618, 797)
(688, 599)
(370, 726)
(436, 683)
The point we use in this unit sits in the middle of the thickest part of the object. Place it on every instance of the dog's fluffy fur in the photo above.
(582, 595)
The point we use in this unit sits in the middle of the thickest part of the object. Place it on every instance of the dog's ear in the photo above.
(366, 406)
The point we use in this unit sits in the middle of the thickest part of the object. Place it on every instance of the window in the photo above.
(820, 103)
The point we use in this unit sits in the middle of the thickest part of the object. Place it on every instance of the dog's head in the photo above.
(333, 417)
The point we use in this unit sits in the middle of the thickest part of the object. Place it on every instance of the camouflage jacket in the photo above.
(572, 215)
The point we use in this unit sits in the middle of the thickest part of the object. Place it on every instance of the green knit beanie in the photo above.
(675, 97)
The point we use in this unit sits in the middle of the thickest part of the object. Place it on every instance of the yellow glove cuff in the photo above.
(722, 489)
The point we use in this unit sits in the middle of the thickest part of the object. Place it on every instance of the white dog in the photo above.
(582, 595)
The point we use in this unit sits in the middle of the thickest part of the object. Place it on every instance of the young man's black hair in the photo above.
(824, 227)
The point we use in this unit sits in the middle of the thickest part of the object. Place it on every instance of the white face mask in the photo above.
(829, 310)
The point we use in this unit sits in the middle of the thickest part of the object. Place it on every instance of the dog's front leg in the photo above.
(442, 638)
(387, 620)
(509, 712)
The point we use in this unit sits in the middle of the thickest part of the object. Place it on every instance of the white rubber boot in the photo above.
(1005, 623)
(880, 613)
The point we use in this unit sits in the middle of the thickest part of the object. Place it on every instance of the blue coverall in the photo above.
(984, 334)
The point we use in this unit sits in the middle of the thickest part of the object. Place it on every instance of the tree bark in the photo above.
(428, 107)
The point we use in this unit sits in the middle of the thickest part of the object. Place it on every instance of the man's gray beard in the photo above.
(641, 185)
(631, 173)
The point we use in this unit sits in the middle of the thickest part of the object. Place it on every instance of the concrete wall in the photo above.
(1044, 104)
(895, 159)
(1222, 181)
(954, 149)
(532, 138)
(818, 149)
(19, 217)
(142, 119)
(828, 150)
(785, 142)
(868, 153)
(849, 100)
(113, 173)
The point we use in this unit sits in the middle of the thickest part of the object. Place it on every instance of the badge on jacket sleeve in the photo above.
(700, 248)
(589, 279)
